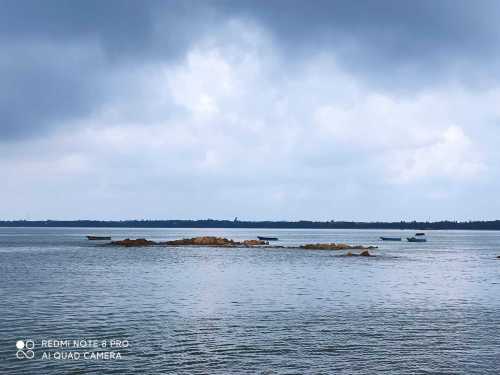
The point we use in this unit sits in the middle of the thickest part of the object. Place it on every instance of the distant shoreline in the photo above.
(224, 224)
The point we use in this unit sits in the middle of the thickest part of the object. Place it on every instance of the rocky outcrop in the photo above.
(214, 241)
(195, 241)
(365, 253)
(202, 241)
(334, 246)
(130, 243)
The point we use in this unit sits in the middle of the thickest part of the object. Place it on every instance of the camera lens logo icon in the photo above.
(25, 349)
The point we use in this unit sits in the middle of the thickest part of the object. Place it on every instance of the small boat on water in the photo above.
(420, 234)
(390, 238)
(415, 239)
(98, 238)
(267, 238)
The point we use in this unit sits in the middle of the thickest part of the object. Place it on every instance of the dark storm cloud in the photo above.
(120, 27)
(43, 86)
(398, 44)
(58, 56)
(384, 40)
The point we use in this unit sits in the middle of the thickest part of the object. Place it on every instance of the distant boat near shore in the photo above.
(390, 238)
(415, 239)
(420, 234)
(98, 238)
(267, 238)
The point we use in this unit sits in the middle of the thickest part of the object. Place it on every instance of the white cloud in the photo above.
(452, 155)
(233, 130)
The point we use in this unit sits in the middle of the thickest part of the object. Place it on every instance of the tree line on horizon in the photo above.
(302, 224)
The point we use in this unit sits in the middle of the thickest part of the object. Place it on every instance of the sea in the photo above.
(73, 306)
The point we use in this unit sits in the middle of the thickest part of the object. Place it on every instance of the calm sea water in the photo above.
(413, 309)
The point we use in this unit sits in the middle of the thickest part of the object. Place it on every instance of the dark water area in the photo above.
(415, 308)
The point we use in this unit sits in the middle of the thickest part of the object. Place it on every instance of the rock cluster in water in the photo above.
(195, 241)
(202, 241)
(212, 241)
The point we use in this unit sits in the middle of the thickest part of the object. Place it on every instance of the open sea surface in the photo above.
(415, 308)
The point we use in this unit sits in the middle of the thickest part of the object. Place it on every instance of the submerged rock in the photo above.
(137, 242)
(365, 253)
(255, 242)
(334, 246)
(325, 246)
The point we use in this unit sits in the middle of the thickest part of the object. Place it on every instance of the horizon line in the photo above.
(301, 224)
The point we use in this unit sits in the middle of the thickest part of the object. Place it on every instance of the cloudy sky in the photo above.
(355, 110)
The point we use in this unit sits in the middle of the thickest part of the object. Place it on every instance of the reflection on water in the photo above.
(415, 308)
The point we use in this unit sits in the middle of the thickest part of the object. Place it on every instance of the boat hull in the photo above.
(413, 239)
(390, 238)
(98, 238)
(267, 238)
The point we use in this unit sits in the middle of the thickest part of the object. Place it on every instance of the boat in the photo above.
(420, 234)
(267, 238)
(414, 239)
(98, 238)
(390, 238)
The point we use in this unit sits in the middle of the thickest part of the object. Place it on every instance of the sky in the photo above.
(265, 110)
